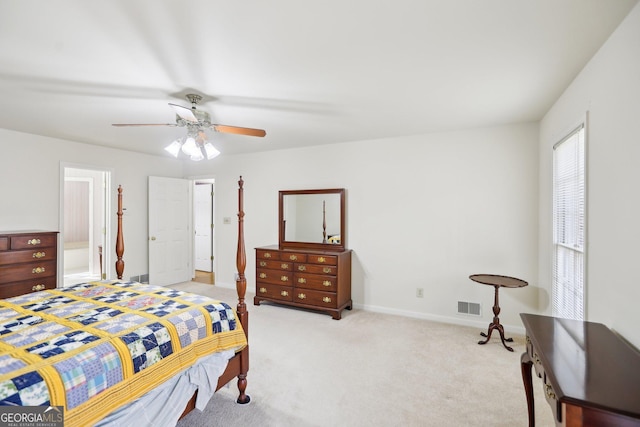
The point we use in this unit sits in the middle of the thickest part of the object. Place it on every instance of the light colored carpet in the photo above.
(369, 369)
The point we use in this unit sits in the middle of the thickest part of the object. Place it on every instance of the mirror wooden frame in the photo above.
(311, 245)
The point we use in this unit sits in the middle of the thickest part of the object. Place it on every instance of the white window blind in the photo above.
(569, 226)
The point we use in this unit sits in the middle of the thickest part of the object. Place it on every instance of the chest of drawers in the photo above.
(28, 262)
(311, 279)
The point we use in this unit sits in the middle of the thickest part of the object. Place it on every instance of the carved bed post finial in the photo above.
(324, 222)
(241, 256)
(119, 237)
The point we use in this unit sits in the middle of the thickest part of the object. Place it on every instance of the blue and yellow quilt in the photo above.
(95, 346)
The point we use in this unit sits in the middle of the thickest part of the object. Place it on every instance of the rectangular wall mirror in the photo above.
(312, 219)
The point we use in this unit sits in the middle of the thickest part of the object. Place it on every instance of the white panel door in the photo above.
(169, 231)
(203, 201)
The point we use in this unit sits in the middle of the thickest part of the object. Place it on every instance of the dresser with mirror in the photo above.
(310, 267)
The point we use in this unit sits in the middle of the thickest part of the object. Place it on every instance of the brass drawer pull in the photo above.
(326, 299)
(38, 270)
(326, 270)
(263, 275)
(263, 263)
(548, 390)
(38, 287)
(293, 257)
(33, 242)
(302, 296)
(267, 255)
(39, 255)
(302, 267)
(284, 266)
(326, 283)
(263, 290)
(322, 259)
(302, 280)
(284, 278)
(284, 293)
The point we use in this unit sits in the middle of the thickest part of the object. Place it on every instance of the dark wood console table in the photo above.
(591, 376)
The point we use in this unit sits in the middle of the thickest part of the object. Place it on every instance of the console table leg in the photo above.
(525, 365)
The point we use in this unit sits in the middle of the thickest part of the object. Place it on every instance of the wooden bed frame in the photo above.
(238, 365)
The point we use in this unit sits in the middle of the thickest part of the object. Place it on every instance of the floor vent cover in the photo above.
(472, 308)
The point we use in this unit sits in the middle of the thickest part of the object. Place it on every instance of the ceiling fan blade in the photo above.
(143, 124)
(184, 113)
(238, 130)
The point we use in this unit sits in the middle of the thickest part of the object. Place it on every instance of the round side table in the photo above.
(497, 282)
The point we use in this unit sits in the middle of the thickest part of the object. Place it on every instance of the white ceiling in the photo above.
(308, 72)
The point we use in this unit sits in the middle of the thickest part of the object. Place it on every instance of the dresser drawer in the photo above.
(282, 293)
(294, 256)
(316, 298)
(315, 281)
(33, 255)
(275, 265)
(4, 243)
(267, 254)
(317, 269)
(27, 286)
(32, 241)
(30, 271)
(323, 259)
(274, 277)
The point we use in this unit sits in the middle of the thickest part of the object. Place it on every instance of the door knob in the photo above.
(153, 237)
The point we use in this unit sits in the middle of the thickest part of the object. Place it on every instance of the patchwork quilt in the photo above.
(95, 346)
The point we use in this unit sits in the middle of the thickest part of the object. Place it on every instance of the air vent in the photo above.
(143, 278)
(471, 308)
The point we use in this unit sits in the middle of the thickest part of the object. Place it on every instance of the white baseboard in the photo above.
(515, 329)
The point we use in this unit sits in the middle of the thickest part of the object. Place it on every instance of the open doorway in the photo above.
(83, 224)
(203, 208)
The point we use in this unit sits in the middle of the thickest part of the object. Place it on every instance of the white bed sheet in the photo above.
(162, 406)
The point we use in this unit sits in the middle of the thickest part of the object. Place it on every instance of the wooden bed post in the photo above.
(241, 288)
(119, 238)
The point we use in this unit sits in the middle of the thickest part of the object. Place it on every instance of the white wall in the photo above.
(609, 89)
(423, 211)
(30, 198)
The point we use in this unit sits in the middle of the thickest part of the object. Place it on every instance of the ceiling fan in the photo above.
(195, 144)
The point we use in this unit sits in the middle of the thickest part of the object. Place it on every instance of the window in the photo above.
(569, 226)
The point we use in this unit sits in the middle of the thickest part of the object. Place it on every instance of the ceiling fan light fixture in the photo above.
(195, 144)
(190, 148)
(197, 156)
(174, 148)
(211, 151)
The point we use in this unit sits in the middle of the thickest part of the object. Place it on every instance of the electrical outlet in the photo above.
(419, 292)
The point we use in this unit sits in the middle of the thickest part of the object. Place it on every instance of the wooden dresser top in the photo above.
(19, 232)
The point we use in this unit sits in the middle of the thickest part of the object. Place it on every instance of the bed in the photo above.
(110, 350)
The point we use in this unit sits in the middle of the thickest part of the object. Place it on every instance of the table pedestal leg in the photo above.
(496, 324)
